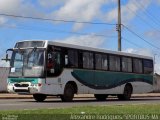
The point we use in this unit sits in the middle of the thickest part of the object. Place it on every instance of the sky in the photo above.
(140, 19)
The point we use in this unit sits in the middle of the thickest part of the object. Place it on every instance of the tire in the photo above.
(126, 94)
(68, 93)
(39, 97)
(100, 97)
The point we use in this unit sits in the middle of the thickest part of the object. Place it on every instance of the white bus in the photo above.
(44, 68)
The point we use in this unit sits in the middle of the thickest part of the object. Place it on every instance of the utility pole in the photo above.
(154, 63)
(119, 25)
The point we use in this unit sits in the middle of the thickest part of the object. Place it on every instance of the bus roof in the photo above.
(62, 44)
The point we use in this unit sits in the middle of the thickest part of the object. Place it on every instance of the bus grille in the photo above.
(21, 85)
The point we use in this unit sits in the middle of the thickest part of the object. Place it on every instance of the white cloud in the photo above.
(78, 26)
(2, 20)
(130, 50)
(51, 3)
(18, 7)
(145, 52)
(128, 10)
(158, 1)
(15, 7)
(153, 34)
(9, 5)
(80, 10)
(84, 40)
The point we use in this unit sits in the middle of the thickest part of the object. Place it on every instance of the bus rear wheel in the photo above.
(68, 93)
(100, 97)
(39, 97)
(127, 93)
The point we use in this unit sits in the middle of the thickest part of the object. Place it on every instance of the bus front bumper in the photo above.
(26, 90)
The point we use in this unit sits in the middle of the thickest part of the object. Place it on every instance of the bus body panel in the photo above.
(88, 81)
(106, 84)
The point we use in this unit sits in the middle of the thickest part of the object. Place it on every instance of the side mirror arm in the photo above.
(7, 59)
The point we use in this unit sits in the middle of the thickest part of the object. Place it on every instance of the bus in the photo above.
(47, 68)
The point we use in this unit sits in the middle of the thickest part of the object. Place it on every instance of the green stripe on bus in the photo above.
(32, 80)
(106, 79)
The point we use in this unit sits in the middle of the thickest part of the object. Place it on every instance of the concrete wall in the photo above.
(3, 78)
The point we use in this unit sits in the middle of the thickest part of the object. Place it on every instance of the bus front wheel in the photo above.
(68, 93)
(39, 97)
(100, 97)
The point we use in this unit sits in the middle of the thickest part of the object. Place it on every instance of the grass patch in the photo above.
(64, 113)
(114, 109)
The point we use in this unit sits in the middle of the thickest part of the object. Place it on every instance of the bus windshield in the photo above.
(27, 63)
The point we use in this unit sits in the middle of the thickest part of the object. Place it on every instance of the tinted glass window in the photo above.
(114, 63)
(126, 64)
(54, 61)
(29, 44)
(88, 60)
(98, 60)
(28, 63)
(104, 62)
(148, 66)
(137, 65)
(72, 58)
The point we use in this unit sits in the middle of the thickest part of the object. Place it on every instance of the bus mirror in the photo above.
(7, 58)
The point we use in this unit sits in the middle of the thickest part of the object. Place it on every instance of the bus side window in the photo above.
(88, 60)
(104, 62)
(73, 58)
(148, 66)
(126, 64)
(114, 63)
(137, 65)
(98, 61)
(50, 61)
